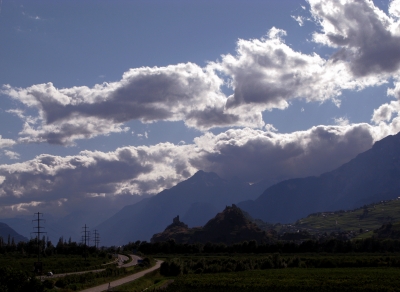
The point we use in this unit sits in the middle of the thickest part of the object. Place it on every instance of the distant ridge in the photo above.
(372, 176)
(196, 200)
(6, 231)
(229, 226)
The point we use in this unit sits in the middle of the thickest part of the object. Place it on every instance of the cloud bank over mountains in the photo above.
(248, 154)
(263, 74)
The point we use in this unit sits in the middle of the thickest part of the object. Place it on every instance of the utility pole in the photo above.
(38, 265)
(96, 239)
(85, 237)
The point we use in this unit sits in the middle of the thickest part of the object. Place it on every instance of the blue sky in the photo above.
(115, 99)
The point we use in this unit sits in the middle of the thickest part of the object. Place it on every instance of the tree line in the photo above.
(46, 247)
(368, 245)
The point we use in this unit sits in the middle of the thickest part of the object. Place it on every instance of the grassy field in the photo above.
(150, 282)
(369, 218)
(339, 279)
(55, 263)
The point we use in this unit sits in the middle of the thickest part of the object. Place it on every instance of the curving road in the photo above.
(127, 279)
(119, 260)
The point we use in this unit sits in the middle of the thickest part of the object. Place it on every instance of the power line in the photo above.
(38, 266)
(96, 239)
(85, 238)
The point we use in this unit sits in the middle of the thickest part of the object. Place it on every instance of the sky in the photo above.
(102, 102)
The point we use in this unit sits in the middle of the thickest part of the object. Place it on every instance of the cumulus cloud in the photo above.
(264, 74)
(341, 121)
(177, 92)
(4, 143)
(128, 170)
(387, 114)
(368, 39)
(254, 155)
(246, 154)
(11, 154)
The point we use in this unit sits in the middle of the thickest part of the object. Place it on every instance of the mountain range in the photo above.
(196, 200)
(372, 176)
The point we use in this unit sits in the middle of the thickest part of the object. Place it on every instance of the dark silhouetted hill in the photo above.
(230, 226)
(372, 176)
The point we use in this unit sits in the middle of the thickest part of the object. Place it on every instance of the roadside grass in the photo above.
(367, 218)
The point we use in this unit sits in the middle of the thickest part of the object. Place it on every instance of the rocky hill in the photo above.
(230, 226)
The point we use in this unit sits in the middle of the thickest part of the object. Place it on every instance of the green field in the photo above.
(368, 218)
(149, 282)
(340, 279)
(55, 263)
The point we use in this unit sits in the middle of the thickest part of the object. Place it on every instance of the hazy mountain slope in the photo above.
(23, 226)
(194, 200)
(372, 176)
(6, 231)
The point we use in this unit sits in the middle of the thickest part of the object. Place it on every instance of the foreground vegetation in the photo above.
(55, 263)
(150, 282)
(327, 245)
(175, 266)
(342, 279)
(13, 279)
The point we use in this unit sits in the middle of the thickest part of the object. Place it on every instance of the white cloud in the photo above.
(341, 121)
(248, 154)
(6, 142)
(386, 112)
(299, 19)
(177, 92)
(254, 155)
(264, 74)
(367, 38)
(11, 154)
(394, 9)
(29, 208)
(128, 170)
